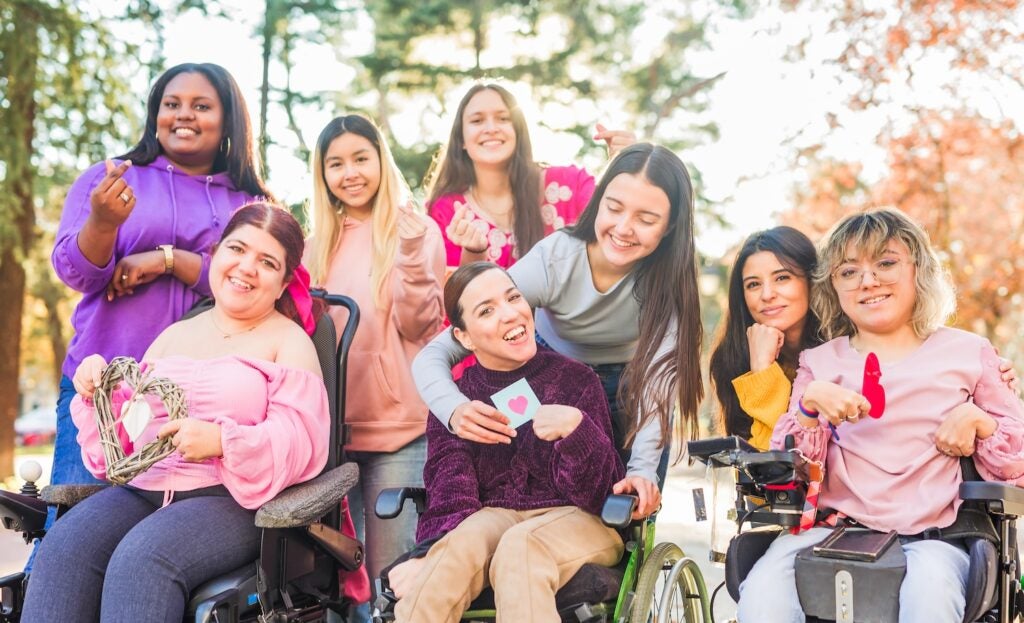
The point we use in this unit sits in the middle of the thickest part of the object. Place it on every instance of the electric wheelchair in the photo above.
(302, 551)
(652, 583)
(770, 491)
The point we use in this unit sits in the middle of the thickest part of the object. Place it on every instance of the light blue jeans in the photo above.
(932, 590)
(384, 540)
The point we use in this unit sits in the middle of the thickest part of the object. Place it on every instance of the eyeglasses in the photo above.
(885, 271)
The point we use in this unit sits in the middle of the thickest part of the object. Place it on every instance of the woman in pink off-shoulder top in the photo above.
(258, 422)
(892, 465)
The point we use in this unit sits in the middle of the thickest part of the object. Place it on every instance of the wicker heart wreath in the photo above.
(120, 468)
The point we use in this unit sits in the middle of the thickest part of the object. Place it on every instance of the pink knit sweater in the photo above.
(887, 473)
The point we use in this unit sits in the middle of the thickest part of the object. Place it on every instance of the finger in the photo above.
(621, 487)
(492, 424)
(168, 429)
(110, 291)
(643, 497)
(474, 432)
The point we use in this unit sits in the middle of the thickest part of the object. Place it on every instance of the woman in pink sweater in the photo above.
(369, 244)
(258, 422)
(891, 465)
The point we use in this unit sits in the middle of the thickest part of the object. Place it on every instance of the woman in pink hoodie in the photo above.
(368, 243)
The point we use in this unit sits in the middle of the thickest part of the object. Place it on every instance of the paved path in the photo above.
(675, 523)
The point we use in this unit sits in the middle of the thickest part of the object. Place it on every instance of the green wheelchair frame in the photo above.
(659, 584)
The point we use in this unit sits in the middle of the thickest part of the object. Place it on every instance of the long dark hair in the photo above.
(282, 226)
(455, 174)
(239, 161)
(730, 357)
(666, 290)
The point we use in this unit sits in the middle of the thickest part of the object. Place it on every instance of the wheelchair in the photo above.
(302, 550)
(770, 492)
(651, 584)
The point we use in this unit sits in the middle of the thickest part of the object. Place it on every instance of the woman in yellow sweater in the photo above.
(766, 326)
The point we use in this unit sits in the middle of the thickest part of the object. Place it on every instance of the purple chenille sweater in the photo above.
(463, 476)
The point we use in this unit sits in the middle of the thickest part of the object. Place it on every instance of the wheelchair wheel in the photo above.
(670, 589)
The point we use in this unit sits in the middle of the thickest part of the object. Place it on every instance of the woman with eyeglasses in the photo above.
(891, 453)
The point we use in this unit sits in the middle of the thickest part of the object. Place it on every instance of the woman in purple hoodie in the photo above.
(521, 517)
(136, 233)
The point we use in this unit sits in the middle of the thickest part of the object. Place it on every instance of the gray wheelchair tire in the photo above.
(683, 596)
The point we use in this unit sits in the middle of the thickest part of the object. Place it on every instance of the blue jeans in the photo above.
(933, 588)
(384, 540)
(118, 556)
(610, 374)
(68, 468)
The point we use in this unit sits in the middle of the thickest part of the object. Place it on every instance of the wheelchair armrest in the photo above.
(618, 510)
(999, 497)
(68, 495)
(22, 513)
(705, 449)
(306, 502)
(390, 501)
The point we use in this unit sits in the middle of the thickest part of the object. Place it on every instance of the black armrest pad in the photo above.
(306, 502)
(618, 510)
(68, 495)
(704, 449)
(390, 501)
(1006, 499)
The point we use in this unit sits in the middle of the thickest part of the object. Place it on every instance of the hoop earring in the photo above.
(226, 150)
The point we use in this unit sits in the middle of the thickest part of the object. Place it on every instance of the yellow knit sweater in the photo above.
(764, 396)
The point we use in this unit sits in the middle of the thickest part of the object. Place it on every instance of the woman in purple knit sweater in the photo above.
(520, 517)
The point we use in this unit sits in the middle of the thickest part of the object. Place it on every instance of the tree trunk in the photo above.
(20, 115)
(269, 18)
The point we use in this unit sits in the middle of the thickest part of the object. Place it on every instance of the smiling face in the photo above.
(488, 135)
(352, 172)
(877, 292)
(498, 320)
(190, 122)
(247, 273)
(632, 219)
(775, 296)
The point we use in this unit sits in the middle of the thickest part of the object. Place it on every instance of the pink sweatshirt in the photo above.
(275, 425)
(886, 473)
(566, 193)
(382, 405)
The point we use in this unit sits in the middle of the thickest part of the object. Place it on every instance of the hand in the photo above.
(764, 343)
(462, 231)
(649, 498)
(87, 376)
(482, 423)
(135, 270)
(834, 403)
(554, 422)
(1009, 375)
(108, 203)
(616, 140)
(961, 427)
(409, 224)
(403, 577)
(195, 440)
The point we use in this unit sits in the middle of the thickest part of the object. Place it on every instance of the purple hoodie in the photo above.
(188, 211)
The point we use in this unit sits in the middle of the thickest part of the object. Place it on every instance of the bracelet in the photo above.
(807, 412)
(475, 251)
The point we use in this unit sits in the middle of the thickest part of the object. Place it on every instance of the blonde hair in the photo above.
(869, 232)
(327, 212)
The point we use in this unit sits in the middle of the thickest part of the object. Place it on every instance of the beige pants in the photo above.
(525, 555)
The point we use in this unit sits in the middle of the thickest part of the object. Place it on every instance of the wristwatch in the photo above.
(168, 250)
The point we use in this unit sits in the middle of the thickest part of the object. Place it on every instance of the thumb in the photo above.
(109, 164)
(621, 486)
(600, 131)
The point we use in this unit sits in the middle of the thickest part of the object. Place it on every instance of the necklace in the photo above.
(495, 214)
(227, 336)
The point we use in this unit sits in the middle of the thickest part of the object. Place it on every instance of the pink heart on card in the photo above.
(518, 404)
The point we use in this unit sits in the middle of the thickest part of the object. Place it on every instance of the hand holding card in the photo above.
(518, 402)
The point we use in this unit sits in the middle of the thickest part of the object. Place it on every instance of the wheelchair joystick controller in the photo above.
(30, 471)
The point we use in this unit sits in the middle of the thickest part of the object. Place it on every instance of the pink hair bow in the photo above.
(299, 291)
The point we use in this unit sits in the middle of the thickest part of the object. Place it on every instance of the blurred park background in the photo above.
(787, 111)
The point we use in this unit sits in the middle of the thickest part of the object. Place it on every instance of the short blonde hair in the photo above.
(869, 232)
